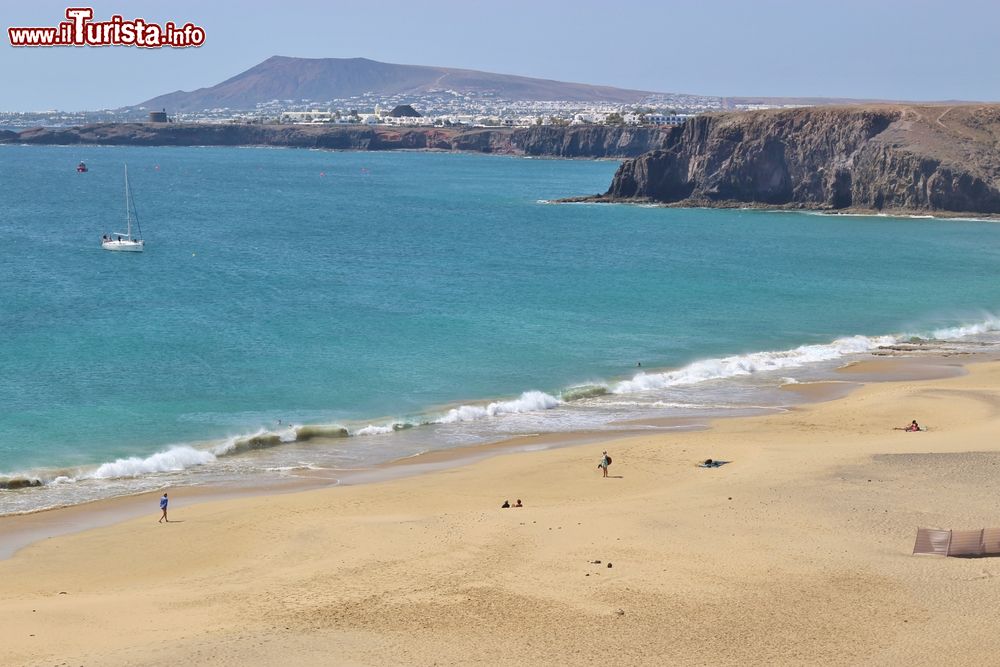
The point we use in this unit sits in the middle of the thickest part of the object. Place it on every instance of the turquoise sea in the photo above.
(332, 310)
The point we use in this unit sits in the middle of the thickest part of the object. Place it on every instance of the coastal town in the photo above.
(439, 109)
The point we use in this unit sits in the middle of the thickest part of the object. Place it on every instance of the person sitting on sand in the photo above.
(518, 503)
(506, 505)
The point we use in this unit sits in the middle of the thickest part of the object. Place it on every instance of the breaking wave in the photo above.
(529, 401)
(611, 394)
(747, 364)
(582, 391)
(172, 460)
(989, 324)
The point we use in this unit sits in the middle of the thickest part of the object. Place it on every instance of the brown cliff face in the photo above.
(919, 158)
(585, 141)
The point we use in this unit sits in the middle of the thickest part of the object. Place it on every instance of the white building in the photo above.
(306, 117)
(665, 119)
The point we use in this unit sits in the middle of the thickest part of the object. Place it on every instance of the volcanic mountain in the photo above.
(322, 79)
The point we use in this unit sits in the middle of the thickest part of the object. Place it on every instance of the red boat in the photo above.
(81, 168)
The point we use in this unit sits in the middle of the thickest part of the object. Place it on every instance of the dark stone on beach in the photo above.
(609, 565)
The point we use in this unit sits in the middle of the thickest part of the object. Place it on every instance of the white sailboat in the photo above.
(126, 242)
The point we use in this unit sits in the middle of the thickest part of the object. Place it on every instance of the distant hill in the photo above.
(321, 79)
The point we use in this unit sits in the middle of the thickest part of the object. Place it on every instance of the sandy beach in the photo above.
(797, 551)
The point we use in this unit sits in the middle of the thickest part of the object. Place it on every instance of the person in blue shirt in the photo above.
(163, 506)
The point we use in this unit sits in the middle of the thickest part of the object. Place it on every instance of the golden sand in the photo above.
(796, 552)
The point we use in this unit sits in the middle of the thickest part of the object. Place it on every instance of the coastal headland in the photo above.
(899, 158)
(795, 551)
(580, 141)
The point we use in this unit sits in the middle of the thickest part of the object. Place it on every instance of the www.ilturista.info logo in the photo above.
(80, 30)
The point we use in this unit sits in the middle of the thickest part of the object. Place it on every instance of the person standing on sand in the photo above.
(605, 462)
(163, 506)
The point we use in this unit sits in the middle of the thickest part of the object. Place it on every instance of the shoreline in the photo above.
(144, 468)
(23, 529)
(915, 214)
(808, 527)
(20, 530)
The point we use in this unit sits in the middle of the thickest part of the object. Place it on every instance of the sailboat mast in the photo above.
(128, 214)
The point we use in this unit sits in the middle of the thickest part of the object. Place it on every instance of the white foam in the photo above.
(529, 401)
(372, 429)
(171, 460)
(989, 324)
(747, 364)
(665, 404)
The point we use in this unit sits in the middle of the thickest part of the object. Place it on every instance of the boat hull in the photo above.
(123, 246)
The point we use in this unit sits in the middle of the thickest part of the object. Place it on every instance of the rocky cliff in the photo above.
(891, 157)
(585, 141)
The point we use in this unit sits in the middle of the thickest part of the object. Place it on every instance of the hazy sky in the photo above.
(889, 49)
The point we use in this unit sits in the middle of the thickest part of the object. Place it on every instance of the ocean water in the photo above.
(333, 310)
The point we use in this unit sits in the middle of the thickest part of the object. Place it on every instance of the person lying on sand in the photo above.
(912, 426)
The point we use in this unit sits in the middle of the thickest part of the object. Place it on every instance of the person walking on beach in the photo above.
(163, 506)
(605, 462)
